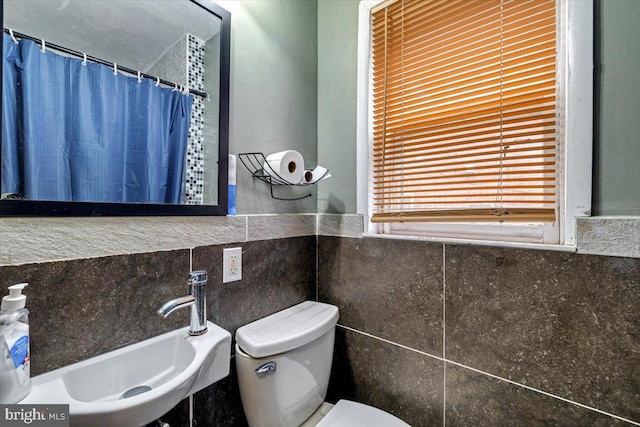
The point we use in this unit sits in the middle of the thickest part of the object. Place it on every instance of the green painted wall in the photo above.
(616, 174)
(337, 71)
(273, 93)
(616, 181)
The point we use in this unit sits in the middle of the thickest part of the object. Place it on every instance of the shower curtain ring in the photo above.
(84, 58)
(175, 87)
(186, 90)
(115, 69)
(43, 49)
(139, 77)
(13, 37)
(157, 81)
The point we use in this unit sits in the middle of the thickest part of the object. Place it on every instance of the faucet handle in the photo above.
(198, 277)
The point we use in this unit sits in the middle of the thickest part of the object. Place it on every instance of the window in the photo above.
(467, 119)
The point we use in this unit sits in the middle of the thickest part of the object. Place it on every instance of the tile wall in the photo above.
(443, 334)
(438, 334)
(84, 307)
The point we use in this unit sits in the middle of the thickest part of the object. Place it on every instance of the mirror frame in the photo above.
(58, 208)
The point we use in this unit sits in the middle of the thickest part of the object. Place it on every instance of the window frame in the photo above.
(575, 108)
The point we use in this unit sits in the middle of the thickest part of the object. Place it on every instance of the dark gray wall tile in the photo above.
(217, 405)
(82, 308)
(387, 288)
(563, 323)
(220, 404)
(176, 417)
(276, 274)
(475, 399)
(402, 382)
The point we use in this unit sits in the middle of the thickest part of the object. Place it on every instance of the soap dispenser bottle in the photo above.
(15, 380)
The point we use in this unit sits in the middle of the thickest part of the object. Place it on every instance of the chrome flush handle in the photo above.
(267, 368)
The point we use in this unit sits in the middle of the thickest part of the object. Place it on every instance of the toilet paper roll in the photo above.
(287, 165)
(315, 175)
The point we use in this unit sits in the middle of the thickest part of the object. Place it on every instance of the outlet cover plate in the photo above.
(231, 265)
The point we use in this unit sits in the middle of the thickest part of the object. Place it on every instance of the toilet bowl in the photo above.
(283, 363)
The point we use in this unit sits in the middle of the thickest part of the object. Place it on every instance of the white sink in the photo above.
(163, 370)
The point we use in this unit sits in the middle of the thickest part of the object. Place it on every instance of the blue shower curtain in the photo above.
(75, 132)
(10, 177)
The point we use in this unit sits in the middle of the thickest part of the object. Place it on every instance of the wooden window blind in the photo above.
(464, 110)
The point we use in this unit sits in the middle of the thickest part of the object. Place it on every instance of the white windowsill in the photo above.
(493, 243)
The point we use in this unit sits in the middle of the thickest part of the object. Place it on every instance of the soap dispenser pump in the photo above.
(15, 379)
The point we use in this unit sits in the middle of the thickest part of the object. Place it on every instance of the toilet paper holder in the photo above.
(255, 164)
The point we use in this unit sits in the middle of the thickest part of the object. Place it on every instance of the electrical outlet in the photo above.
(231, 265)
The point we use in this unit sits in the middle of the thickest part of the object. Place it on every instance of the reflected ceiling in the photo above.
(122, 31)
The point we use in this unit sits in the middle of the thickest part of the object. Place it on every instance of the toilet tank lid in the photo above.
(287, 329)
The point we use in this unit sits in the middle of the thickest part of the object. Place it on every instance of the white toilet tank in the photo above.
(283, 363)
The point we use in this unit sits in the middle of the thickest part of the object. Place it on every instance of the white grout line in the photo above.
(444, 335)
(391, 342)
(545, 393)
(494, 376)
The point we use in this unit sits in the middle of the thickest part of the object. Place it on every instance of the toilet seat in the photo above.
(346, 413)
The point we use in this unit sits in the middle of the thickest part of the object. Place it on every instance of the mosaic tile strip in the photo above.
(184, 64)
(194, 172)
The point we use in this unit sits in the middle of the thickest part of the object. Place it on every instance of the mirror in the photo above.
(146, 136)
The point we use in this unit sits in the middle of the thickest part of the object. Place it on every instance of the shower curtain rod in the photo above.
(102, 61)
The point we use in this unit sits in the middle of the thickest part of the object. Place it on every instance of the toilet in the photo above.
(283, 363)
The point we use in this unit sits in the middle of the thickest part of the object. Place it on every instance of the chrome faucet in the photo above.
(196, 300)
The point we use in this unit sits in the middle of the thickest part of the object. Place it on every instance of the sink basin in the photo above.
(137, 384)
